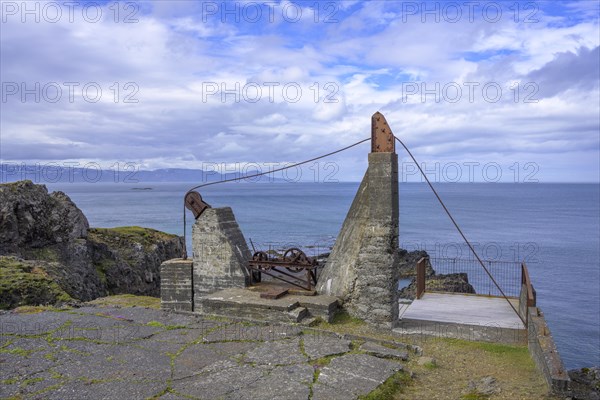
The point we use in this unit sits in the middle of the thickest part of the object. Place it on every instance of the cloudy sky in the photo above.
(482, 91)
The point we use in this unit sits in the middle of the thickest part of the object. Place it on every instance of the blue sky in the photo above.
(498, 86)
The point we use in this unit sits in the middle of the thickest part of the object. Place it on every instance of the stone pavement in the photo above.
(140, 353)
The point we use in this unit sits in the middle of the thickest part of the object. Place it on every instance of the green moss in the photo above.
(344, 322)
(47, 389)
(302, 349)
(10, 381)
(323, 361)
(430, 365)
(43, 253)
(34, 309)
(343, 318)
(26, 283)
(31, 381)
(17, 351)
(167, 327)
(389, 389)
(128, 300)
(144, 236)
(102, 267)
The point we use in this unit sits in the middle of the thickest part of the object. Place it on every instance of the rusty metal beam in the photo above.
(382, 137)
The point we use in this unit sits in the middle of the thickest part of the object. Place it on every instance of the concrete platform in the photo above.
(247, 303)
(470, 317)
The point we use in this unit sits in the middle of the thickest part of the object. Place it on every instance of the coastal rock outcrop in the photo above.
(585, 383)
(453, 283)
(407, 261)
(128, 259)
(30, 218)
(44, 237)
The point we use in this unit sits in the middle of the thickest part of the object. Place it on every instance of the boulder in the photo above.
(585, 383)
(30, 218)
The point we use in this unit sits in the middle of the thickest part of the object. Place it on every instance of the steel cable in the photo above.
(254, 176)
(461, 232)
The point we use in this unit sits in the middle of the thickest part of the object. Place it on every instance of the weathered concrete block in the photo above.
(544, 353)
(360, 269)
(176, 285)
(221, 254)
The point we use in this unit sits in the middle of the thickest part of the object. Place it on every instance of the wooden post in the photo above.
(421, 277)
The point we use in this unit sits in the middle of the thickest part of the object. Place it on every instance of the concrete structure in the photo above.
(176, 292)
(463, 316)
(361, 269)
(247, 304)
(220, 252)
(545, 354)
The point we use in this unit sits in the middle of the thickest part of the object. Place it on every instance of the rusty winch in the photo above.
(295, 265)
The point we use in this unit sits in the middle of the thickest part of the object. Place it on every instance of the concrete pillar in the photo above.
(360, 269)
(221, 254)
(176, 285)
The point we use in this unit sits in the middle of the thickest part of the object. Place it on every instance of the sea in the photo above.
(554, 228)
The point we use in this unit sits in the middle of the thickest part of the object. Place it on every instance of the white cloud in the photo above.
(176, 51)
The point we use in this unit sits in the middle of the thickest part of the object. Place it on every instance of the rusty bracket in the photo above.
(194, 203)
(382, 137)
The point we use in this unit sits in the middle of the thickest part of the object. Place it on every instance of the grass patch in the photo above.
(128, 300)
(389, 389)
(167, 327)
(459, 362)
(25, 283)
(343, 318)
(512, 353)
(18, 351)
(144, 236)
(31, 381)
(42, 253)
(323, 361)
(343, 322)
(34, 309)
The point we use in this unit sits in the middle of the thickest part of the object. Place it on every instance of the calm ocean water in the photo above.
(554, 227)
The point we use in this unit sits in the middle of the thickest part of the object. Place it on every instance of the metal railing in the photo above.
(527, 297)
(508, 274)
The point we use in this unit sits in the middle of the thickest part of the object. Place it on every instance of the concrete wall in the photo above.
(176, 285)
(543, 351)
(360, 269)
(220, 252)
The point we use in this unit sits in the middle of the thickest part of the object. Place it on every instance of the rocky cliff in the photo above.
(45, 238)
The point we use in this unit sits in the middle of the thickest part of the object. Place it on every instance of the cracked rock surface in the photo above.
(141, 353)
